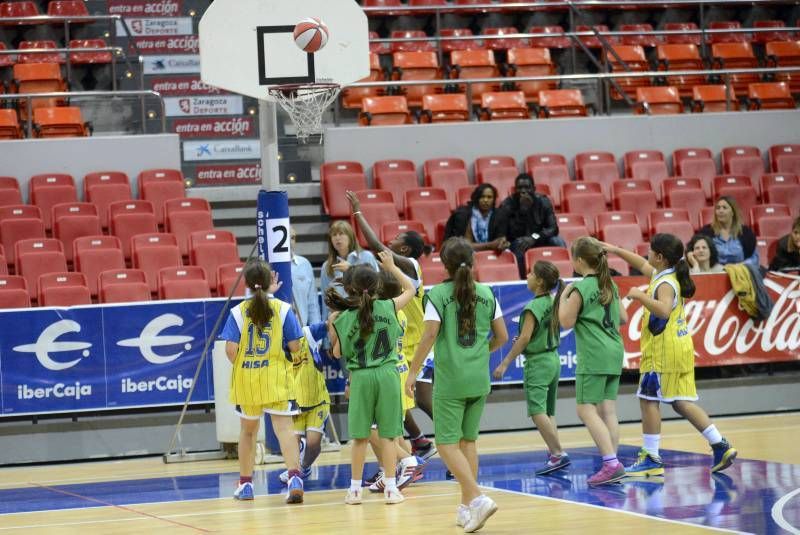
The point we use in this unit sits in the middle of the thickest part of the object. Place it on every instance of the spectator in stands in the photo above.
(735, 242)
(787, 255)
(304, 287)
(344, 252)
(529, 220)
(478, 221)
(702, 256)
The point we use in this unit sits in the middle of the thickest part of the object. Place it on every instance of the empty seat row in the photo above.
(34, 52)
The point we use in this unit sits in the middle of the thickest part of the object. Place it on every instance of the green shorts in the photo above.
(541, 374)
(457, 419)
(375, 399)
(595, 388)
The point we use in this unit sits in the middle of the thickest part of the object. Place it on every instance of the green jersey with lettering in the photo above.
(462, 362)
(599, 344)
(380, 346)
(541, 307)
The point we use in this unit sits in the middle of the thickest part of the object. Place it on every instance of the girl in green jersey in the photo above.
(592, 307)
(365, 332)
(538, 340)
(459, 316)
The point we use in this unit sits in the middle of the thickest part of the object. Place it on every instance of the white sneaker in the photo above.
(393, 495)
(462, 515)
(379, 485)
(353, 497)
(408, 469)
(480, 509)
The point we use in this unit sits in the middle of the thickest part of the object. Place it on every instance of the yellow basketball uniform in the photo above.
(667, 364)
(402, 361)
(311, 391)
(414, 315)
(262, 379)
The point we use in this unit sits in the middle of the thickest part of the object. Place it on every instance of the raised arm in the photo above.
(634, 260)
(387, 263)
(375, 245)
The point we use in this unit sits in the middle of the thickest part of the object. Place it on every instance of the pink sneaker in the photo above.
(609, 473)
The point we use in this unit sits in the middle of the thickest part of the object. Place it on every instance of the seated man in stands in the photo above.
(478, 221)
(530, 220)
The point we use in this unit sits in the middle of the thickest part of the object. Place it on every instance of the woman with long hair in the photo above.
(702, 256)
(478, 221)
(460, 314)
(735, 241)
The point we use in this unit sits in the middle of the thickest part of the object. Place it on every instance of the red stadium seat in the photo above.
(390, 230)
(683, 37)
(681, 57)
(63, 290)
(95, 254)
(555, 103)
(445, 108)
(73, 220)
(19, 222)
(496, 273)
(685, 193)
(374, 196)
(659, 100)
(640, 202)
(599, 167)
(503, 105)
(524, 62)
(698, 163)
(484, 163)
(735, 56)
(210, 250)
(743, 160)
(682, 229)
(502, 178)
(104, 188)
(555, 255)
(620, 228)
(37, 257)
(395, 176)
(227, 275)
(554, 38)
(129, 218)
(335, 179)
(123, 286)
(771, 220)
(785, 54)
(504, 43)
(647, 165)
(571, 227)
(9, 124)
(433, 271)
(450, 180)
(353, 96)
(549, 169)
(382, 111)
(151, 252)
(159, 186)
(583, 198)
(157, 175)
(785, 158)
(49, 190)
(428, 212)
(435, 164)
(376, 214)
(186, 282)
(418, 65)
(187, 215)
(667, 215)
(740, 188)
(727, 37)
(14, 292)
(474, 64)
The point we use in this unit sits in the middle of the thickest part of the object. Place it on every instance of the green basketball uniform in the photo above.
(599, 344)
(542, 365)
(462, 362)
(542, 309)
(380, 347)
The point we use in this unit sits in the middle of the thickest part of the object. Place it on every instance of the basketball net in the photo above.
(305, 104)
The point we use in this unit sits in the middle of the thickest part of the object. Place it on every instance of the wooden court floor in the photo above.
(429, 507)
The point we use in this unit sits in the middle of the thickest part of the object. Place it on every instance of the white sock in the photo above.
(355, 484)
(651, 443)
(712, 435)
(391, 483)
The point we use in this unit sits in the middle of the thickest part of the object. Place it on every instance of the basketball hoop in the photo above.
(305, 104)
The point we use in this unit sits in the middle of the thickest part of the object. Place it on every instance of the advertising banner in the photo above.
(199, 151)
(145, 8)
(170, 86)
(182, 44)
(203, 105)
(141, 27)
(218, 175)
(213, 127)
(174, 64)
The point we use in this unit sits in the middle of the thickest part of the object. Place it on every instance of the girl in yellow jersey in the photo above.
(667, 364)
(257, 330)
(406, 248)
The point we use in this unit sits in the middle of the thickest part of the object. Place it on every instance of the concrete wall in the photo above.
(79, 156)
(616, 134)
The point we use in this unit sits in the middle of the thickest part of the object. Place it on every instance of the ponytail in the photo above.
(604, 279)
(336, 302)
(555, 324)
(464, 290)
(258, 277)
(365, 318)
(684, 278)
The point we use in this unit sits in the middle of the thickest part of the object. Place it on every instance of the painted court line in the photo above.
(122, 507)
(632, 513)
(338, 503)
(777, 512)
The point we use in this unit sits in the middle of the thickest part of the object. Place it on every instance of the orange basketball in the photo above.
(310, 34)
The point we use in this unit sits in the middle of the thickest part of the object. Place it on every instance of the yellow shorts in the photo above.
(667, 387)
(312, 419)
(408, 401)
(255, 412)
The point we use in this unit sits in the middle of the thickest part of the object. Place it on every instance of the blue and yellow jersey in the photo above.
(414, 314)
(666, 344)
(309, 381)
(402, 361)
(262, 371)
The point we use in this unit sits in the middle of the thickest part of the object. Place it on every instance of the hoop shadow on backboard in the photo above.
(280, 61)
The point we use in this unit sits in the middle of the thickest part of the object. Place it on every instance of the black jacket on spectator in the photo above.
(746, 238)
(539, 218)
(461, 219)
(783, 257)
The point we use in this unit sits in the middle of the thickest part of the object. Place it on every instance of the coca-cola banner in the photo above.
(721, 332)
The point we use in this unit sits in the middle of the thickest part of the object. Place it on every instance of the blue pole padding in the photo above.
(274, 246)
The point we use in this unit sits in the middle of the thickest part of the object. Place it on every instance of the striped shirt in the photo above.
(666, 344)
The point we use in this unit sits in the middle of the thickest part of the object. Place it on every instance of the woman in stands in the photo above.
(343, 253)
(478, 221)
(702, 256)
(787, 255)
(735, 241)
